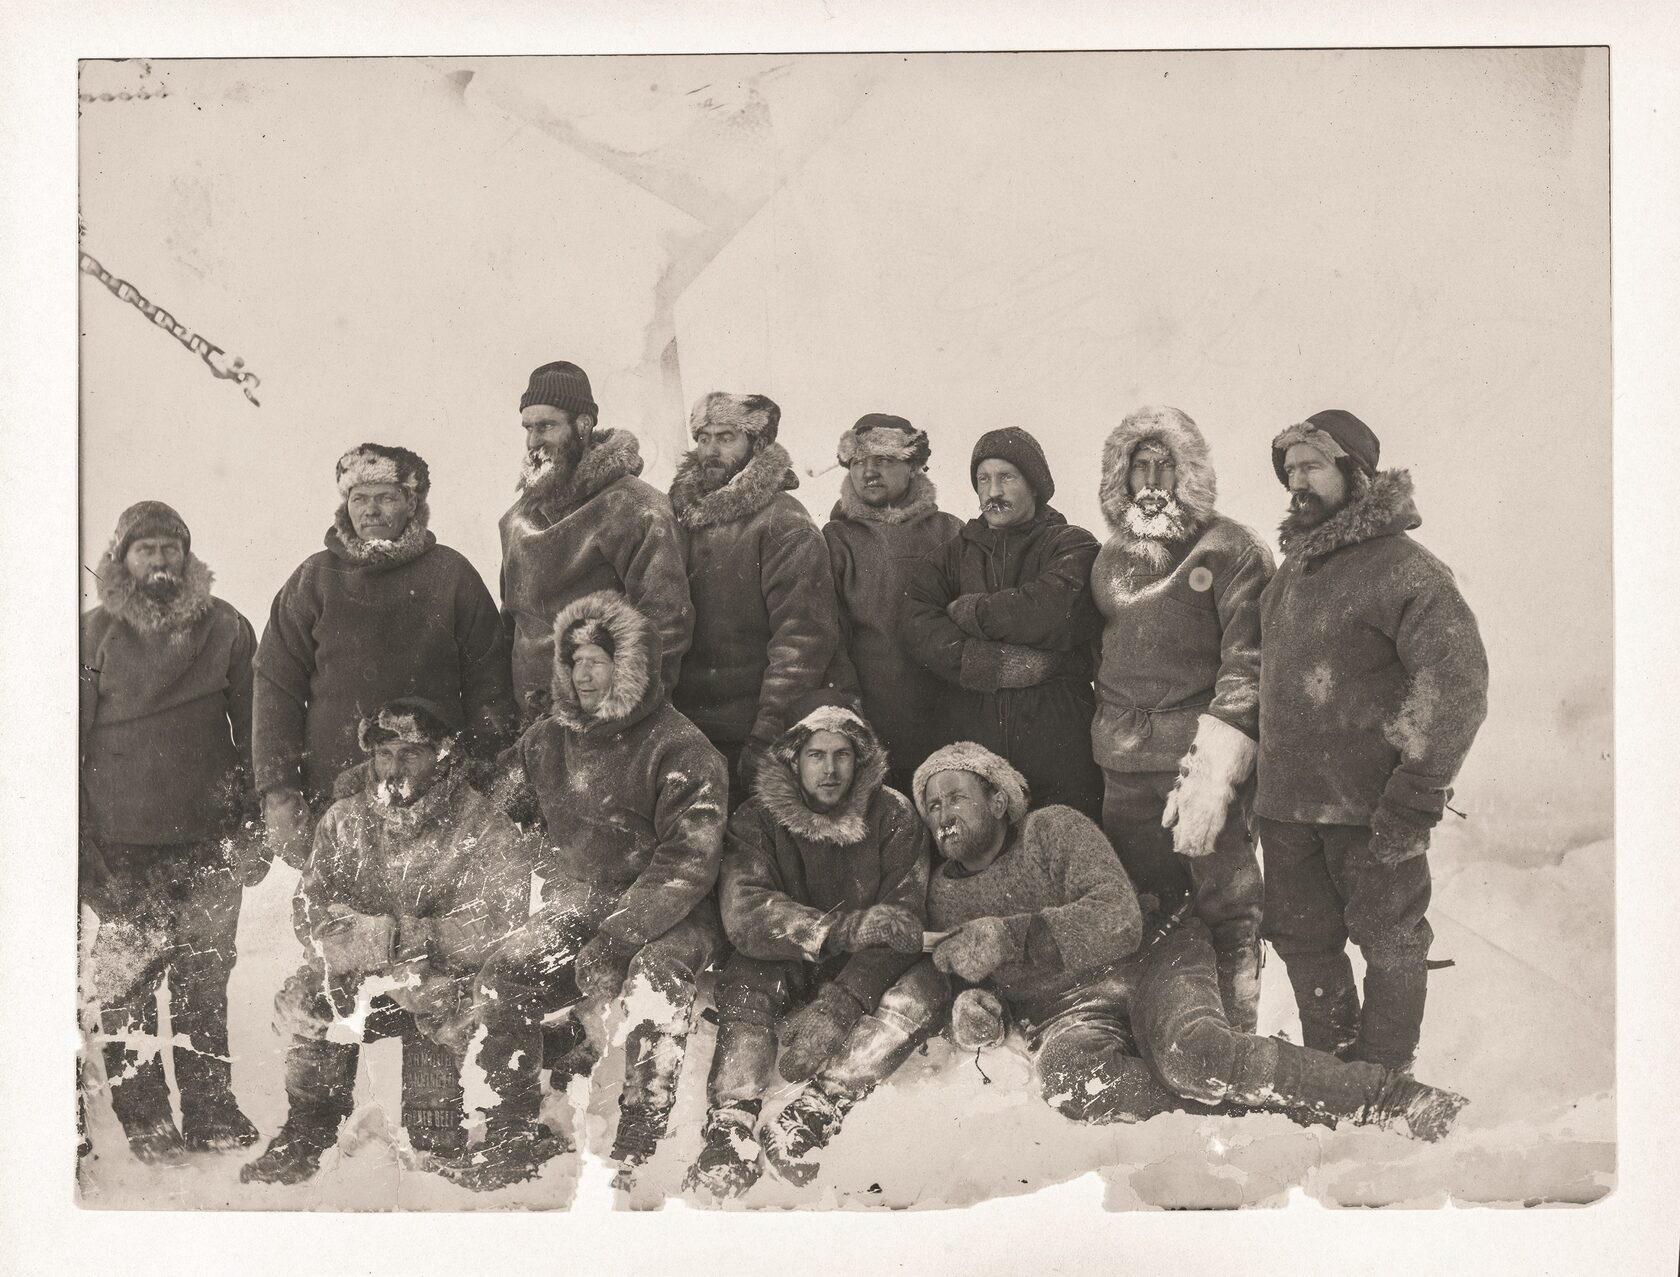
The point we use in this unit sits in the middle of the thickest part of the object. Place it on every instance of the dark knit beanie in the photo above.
(148, 519)
(383, 463)
(560, 385)
(1019, 449)
(408, 718)
(1352, 438)
(881, 434)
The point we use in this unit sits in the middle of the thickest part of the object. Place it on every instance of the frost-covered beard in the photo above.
(161, 586)
(1157, 525)
(543, 472)
(397, 793)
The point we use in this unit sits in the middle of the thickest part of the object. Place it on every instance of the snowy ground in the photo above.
(1523, 1024)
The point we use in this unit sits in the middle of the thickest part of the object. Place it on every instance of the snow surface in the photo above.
(1523, 1024)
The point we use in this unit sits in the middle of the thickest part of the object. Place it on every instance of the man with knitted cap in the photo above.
(1042, 925)
(584, 521)
(1373, 686)
(1001, 613)
(411, 884)
(168, 832)
(1178, 687)
(886, 517)
(383, 611)
(765, 622)
(823, 895)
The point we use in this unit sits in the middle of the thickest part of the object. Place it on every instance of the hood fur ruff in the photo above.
(1198, 487)
(1384, 508)
(122, 597)
(769, 473)
(966, 756)
(777, 785)
(612, 455)
(415, 540)
(922, 499)
(635, 662)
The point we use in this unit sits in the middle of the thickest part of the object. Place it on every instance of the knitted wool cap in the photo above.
(754, 415)
(1334, 432)
(383, 463)
(413, 719)
(879, 434)
(966, 756)
(560, 385)
(148, 519)
(1019, 449)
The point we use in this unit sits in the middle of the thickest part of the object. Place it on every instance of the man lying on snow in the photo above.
(1039, 910)
(822, 890)
(633, 798)
(410, 885)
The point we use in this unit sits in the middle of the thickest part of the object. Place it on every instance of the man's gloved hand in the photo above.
(978, 1019)
(601, 966)
(288, 825)
(1395, 838)
(876, 927)
(351, 943)
(963, 612)
(811, 1035)
(976, 949)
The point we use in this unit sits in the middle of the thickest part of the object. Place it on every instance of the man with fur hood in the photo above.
(633, 800)
(1178, 687)
(411, 883)
(885, 519)
(1042, 924)
(168, 835)
(765, 622)
(1372, 689)
(1002, 614)
(823, 888)
(584, 521)
(383, 611)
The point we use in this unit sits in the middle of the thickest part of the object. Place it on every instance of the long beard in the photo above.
(542, 474)
(1154, 536)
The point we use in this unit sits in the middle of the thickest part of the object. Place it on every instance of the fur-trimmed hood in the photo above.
(1385, 507)
(776, 786)
(415, 540)
(123, 598)
(636, 689)
(612, 455)
(768, 474)
(1198, 487)
(921, 500)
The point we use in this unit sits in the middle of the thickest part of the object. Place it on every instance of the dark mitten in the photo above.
(963, 611)
(976, 949)
(602, 964)
(811, 1035)
(877, 927)
(1395, 837)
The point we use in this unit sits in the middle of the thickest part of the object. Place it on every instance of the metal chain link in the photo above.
(214, 357)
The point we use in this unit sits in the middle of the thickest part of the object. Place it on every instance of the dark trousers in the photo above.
(1323, 888)
(1225, 885)
(164, 911)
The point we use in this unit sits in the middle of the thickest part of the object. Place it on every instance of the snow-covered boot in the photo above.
(514, 1150)
(1423, 1112)
(794, 1137)
(1327, 999)
(295, 1152)
(140, 1099)
(653, 1055)
(1392, 1018)
(728, 1164)
(211, 1120)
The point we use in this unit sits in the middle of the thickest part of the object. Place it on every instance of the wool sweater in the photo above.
(1059, 889)
(633, 797)
(350, 631)
(766, 626)
(605, 530)
(1374, 681)
(789, 870)
(165, 712)
(452, 854)
(870, 550)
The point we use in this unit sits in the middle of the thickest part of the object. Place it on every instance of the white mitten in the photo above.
(1219, 760)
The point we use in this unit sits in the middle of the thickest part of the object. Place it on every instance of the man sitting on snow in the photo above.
(633, 799)
(410, 886)
(1038, 909)
(823, 888)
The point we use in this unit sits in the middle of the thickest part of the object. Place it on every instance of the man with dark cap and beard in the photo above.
(1373, 686)
(1002, 614)
(1178, 688)
(165, 789)
(765, 622)
(583, 522)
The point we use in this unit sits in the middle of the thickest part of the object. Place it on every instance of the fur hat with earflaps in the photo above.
(753, 415)
(880, 434)
(1335, 433)
(383, 463)
(966, 756)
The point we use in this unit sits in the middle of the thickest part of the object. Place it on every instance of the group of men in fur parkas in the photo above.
(899, 775)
